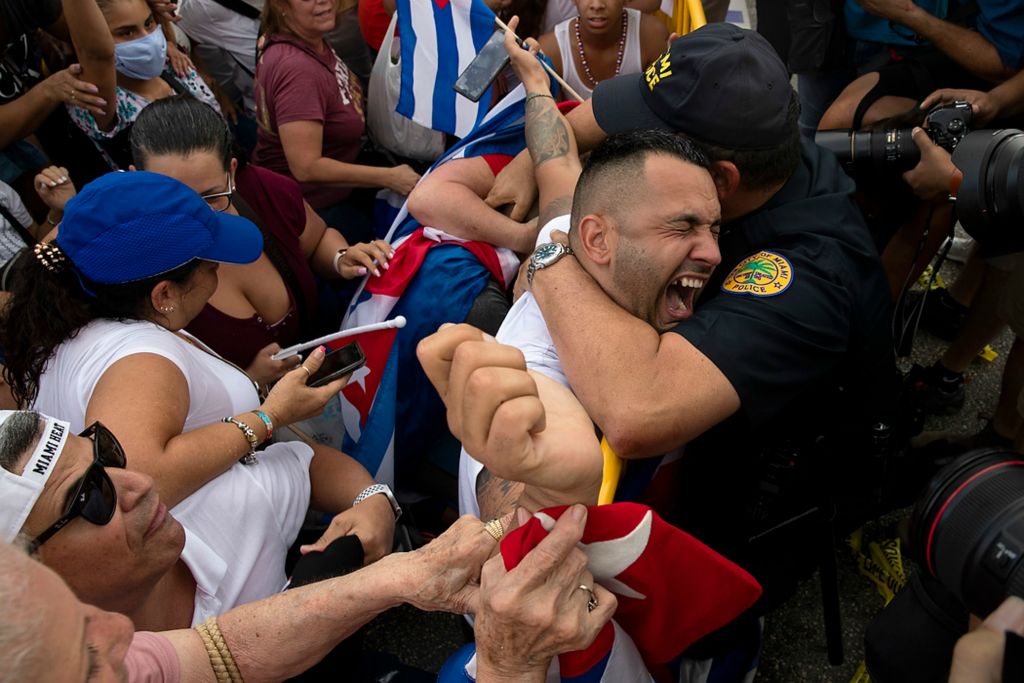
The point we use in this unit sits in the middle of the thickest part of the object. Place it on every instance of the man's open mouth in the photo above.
(680, 295)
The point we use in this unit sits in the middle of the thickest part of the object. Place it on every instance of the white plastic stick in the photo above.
(398, 322)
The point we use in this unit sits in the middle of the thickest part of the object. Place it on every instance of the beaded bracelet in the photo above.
(266, 421)
(250, 436)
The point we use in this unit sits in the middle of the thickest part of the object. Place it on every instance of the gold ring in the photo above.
(495, 528)
(591, 599)
(308, 373)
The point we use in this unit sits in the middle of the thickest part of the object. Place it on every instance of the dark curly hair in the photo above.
(47, 309)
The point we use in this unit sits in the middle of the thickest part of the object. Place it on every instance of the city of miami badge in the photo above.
(763, 274)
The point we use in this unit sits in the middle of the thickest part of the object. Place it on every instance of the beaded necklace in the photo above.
(618, 59)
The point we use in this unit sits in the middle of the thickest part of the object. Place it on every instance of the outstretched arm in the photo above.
(549, 137)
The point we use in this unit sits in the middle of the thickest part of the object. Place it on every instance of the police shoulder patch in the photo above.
(763, 274)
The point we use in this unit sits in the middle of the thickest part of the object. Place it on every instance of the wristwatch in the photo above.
(546, 255)
(385, 490)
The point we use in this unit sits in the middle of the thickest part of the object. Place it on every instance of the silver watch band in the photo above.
(383, 489)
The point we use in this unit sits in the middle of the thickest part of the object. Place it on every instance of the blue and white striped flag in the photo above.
(439, 39)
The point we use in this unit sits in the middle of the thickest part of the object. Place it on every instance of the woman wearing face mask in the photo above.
(124, 52)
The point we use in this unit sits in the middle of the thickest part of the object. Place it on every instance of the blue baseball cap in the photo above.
(124, 227)
(719, 84)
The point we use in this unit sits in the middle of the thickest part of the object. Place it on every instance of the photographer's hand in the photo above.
(983, 105)
(978, 657)
(932, 178)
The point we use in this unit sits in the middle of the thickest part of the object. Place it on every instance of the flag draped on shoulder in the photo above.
(439, 38)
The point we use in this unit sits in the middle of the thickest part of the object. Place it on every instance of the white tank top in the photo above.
(567, 46)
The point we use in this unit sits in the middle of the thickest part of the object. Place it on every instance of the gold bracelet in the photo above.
(223, 664)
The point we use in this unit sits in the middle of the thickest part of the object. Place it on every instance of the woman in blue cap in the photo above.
(93, 331)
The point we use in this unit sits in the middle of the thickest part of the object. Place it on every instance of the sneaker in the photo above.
(943, 315)
(934, 391)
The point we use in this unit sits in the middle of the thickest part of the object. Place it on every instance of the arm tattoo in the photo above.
(547, 135)
(496, 496)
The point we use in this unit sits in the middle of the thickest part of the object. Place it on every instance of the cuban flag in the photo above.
(671, 591)
(389, 409)
(439, 40)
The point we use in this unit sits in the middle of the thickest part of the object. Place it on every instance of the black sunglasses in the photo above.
(95, 498)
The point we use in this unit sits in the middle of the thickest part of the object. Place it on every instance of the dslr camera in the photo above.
(894, 149)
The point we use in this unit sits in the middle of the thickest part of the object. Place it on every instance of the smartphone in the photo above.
(338, 363)
(484, 68)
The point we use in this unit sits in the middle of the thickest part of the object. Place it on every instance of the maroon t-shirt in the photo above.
(296, 82)
(276, 200)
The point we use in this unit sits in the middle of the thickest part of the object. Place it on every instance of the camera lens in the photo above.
(968, 528)
(871, 150)
(990, 203)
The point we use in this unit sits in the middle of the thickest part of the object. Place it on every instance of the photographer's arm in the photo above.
(966, 47)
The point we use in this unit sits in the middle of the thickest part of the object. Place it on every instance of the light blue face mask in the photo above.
(142, 58)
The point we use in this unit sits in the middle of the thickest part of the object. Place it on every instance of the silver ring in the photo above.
(591, 599)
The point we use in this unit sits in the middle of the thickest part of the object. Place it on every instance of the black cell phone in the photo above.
(485, 67)
(338, 363)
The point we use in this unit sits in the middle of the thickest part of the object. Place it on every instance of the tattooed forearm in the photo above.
(547, 132)
(496, 496)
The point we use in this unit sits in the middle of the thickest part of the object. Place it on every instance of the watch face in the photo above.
(547, 254)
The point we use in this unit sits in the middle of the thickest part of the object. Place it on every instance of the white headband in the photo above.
(19, 493)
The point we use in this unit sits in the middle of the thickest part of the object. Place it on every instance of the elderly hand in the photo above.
(978, 657)
(54, 187)
(365, 257)
(64, 86)
(372, 521)
(444, 574)
(291, 400)
(538, 610)
(265, 370)
(525, 61)
(930, 179)
(983, 106)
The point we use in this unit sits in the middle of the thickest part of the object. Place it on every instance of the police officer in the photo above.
(791, 332)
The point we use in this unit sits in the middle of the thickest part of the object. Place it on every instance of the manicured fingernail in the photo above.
(376, 272)
(94, 90)
(322, 350)
(392, 254)
(361, 270)
(386, 266)
(53, 183)
(62, 179)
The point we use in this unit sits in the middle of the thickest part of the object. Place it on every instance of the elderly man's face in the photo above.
(80, 642)
(667, 242)
(138, 546)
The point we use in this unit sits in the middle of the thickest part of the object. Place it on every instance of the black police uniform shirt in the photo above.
(798, 305)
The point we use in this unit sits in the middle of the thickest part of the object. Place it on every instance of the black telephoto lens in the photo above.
(967, 529)
(990, 202)
(871, 150)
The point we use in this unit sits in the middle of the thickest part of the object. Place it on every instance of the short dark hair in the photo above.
(620, 159)
(17, 435)
(763, 168)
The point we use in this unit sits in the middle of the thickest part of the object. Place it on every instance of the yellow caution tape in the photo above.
(861, 674)
(988, 354)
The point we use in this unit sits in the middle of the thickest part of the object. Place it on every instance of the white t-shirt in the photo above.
(238, 526)
(525, 329)
(10, 241)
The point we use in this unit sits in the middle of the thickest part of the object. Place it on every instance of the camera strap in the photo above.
(1013, 657)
